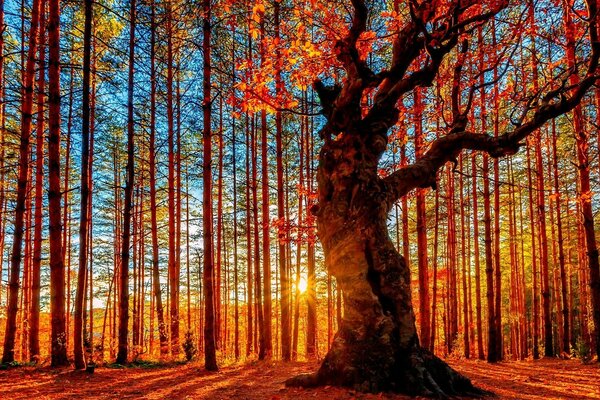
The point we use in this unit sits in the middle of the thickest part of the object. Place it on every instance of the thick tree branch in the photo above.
(342, 109)
(415, 40)
(447, 148)
(423, 172)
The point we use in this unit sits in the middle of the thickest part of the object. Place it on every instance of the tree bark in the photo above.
(210, 358)
(24, 155)
(3, 185)
(66, 236)
(57, 266)
(249, 264)
(122, 354)
(497, 265)
(377, 347)
(561, 251)
(173, 267)
(34, 323)
(162, 329)
(424, 306)
(480, 353)
(85, 190)
(266, 218)
(585, 194)
(282, 221)
(311, 285)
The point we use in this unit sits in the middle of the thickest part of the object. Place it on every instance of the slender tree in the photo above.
(210, 359)
(34, 314)
(24, 155)
(162, 329)
(266, 217)
(581, 139)
(173, 267)
(123, 349)
(85, 190)
(424, 306)
(282, 222)
(57, 265)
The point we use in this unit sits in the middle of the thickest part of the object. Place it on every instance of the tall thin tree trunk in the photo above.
(497, 264)
(3, 185)
(492, 355)
(424, 306)
(173, 270)
(466, 320)
(543, 240)
(541, 206)
(299, 241)
(561, 250)
(220, 337)
(585, 194)
(436, 230)
(162, 329)
(257, 276)
(236, 311)
(122, 353)
(66, 237)
(57, 266)
(24, 155)
(311, 285)
(34, 340)
(210, 359)
(90, 202)
(266, 219)
(480, 353)
(249, 265)
(85, 190)
(282, 222)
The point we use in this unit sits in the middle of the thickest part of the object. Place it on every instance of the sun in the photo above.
(302, 285)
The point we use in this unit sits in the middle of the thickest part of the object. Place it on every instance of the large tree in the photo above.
(377, 346)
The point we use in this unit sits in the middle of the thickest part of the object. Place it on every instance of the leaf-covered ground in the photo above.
(543, 379)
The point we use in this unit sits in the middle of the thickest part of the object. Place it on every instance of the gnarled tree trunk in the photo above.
(377, 347)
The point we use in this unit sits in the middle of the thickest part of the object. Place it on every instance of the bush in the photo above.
(582, 350)
(189, 346)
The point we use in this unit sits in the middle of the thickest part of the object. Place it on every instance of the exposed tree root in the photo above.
(419, 373)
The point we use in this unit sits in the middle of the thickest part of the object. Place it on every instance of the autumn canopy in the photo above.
(376, 185)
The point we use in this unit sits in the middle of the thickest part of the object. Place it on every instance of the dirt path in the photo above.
(544, 379)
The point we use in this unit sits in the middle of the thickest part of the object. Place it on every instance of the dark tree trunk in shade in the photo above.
(85, 191)
(424, 306)
(122, 353)
(210, 357)
(162, 328)
(311, 286)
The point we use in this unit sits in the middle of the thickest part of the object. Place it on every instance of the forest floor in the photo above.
(542, 379)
